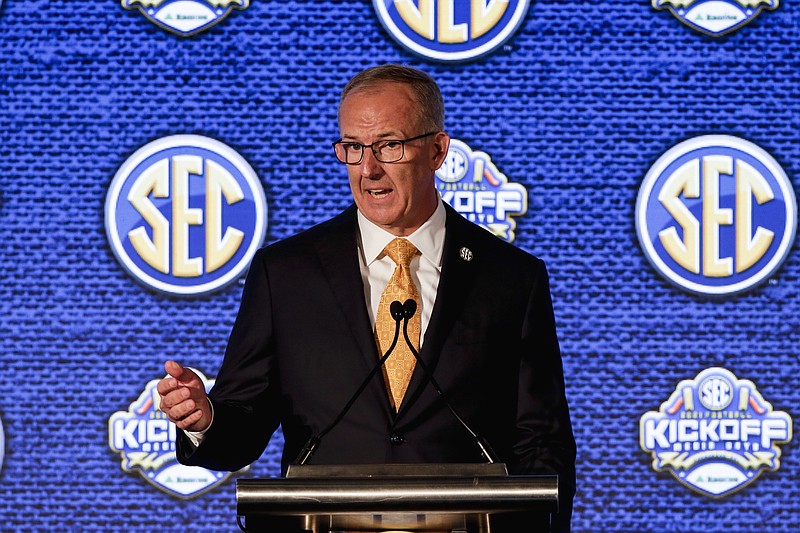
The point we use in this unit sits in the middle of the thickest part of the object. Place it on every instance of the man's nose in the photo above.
(370, 166)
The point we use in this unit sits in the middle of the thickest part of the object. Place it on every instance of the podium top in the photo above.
(450, 488)
(399, 470)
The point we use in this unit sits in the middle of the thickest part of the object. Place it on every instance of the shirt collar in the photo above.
(429, 237)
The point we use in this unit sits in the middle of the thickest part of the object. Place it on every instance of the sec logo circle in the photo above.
(715, 393)
(716, 215)
(451, 30)
(185, 214)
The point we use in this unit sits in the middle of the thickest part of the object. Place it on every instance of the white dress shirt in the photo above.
(426, 267)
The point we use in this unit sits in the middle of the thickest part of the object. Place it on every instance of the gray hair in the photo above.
(426, 92)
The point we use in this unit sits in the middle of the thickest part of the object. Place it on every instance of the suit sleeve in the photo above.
(545, 443)
(245, 395)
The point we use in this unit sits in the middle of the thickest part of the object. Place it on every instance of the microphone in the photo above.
(397, 310)
(409, 308)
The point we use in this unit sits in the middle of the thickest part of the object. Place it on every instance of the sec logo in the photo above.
(185, 214)
(716, 215)
(451, 30)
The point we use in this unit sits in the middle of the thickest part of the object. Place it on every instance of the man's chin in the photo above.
(382, 219)
(380, 210)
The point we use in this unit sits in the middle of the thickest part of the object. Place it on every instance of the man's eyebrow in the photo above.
(388, 135)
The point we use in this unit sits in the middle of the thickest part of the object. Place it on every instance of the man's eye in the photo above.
(391, 145)
(351, 147)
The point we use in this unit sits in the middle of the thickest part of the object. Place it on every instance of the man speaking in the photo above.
(321, 308)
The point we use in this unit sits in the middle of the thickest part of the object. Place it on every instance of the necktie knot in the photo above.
(401, 251)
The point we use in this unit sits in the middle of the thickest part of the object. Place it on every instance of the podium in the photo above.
(462, 498)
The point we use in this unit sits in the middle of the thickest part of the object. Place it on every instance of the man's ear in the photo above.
(439, 147)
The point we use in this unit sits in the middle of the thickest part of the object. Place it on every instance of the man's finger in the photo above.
(165, 386)
(182, 409)
(181, 373)
(189, 421)
(186, 412)
(174, 396)
(174, 369)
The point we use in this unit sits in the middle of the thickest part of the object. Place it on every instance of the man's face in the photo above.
(398, 196)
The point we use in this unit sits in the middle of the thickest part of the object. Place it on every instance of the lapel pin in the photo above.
(465, 254)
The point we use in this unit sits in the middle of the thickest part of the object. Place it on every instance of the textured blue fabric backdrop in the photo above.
(576, 107)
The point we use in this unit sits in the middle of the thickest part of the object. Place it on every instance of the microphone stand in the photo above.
(396, 310)
(409, 308)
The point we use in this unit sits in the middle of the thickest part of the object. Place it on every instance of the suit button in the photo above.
(397, 439)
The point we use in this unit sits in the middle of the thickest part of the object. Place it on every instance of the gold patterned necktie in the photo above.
(400, 365)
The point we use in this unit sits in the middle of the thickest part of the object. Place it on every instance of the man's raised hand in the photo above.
(183, 398)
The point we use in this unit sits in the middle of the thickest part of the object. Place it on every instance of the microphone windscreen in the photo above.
(396, 310)
(409, 308)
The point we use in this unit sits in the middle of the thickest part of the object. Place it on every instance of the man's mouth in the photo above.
(379, 193)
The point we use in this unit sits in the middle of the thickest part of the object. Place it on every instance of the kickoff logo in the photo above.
(185, 214)
(185, 17)
(716, 215)
(451, 30)
(145, 439)
(473, 186)
(715, 17)
(715, 434)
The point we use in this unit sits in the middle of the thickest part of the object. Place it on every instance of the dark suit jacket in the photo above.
(302, 343)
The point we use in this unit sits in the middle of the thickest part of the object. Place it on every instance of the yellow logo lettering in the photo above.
(686, 251)
(750, 184)
(154, 252)
(484, 17)
(220, 248)
(750, 247)
(714, 217)
(220, 186)
(421, 19)
(184, 266)
(449, 32)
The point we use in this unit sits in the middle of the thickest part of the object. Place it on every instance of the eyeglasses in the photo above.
(385, 151)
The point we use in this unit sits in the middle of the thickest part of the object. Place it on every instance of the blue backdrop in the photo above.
(576, 106)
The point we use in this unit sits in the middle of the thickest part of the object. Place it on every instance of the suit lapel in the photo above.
(343, 273)
(454, 281)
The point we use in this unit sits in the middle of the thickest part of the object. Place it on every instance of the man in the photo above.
(315, 319)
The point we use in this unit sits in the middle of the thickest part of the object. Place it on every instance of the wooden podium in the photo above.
(464, 498)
